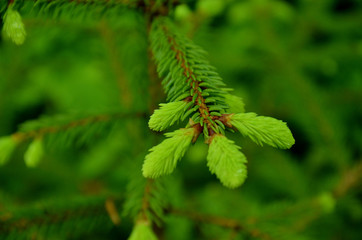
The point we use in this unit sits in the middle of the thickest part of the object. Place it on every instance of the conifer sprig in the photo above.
(87, 10)
(13, 26)
(195, 91)
(226, 161)
(55, 218)
(146, 199)
(188, 75)
(163, 158)
(167, 115)
(68, 125)
(263, 129)
(63, 130)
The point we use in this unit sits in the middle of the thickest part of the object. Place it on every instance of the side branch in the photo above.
(145, 6)
(94, 210)
(220, 221)
(146, 200)
(191, 78)
(40, 132)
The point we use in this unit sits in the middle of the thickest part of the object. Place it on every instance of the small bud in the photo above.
(142, 231)
(13, 26)
(166, 115)
(327, 202)
(262, 129)
(34, 153)
(226, 161)
(163, 158)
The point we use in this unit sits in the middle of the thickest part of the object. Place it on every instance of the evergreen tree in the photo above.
(87, 85)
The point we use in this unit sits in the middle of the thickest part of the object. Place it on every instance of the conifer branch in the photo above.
(62, 220)
(74, 9)
(146, 205)
(109, 3)
(81, 8)
(194, 87)
(190, 77)
(230, 223)
(29, 131)
(146, 199)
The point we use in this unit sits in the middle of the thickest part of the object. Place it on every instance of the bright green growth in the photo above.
(166, 115)
(236, 104)
(187, 75)
(226, 161)
(262, 129)
(34, 153)
(7, 146)
(13, 26)
(142, 231)
(163, 158)
(327, 202)
(196, 91)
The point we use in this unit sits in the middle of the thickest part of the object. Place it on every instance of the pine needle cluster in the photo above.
(196, 92)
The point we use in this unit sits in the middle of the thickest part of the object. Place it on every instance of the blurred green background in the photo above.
(296, 60)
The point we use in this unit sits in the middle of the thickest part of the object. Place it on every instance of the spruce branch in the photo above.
(91, 9)
(61, 124)
(63, 130)
(188, 74)
(195, 91)
(146, 204)
(68, 218)
(230, 223)
(146, 200)
(75, 9)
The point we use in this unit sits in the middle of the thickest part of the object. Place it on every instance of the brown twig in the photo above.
(146, 198)
(350, 179)
(112, 211)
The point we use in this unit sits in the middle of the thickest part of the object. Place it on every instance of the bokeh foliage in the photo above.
(296, 60)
